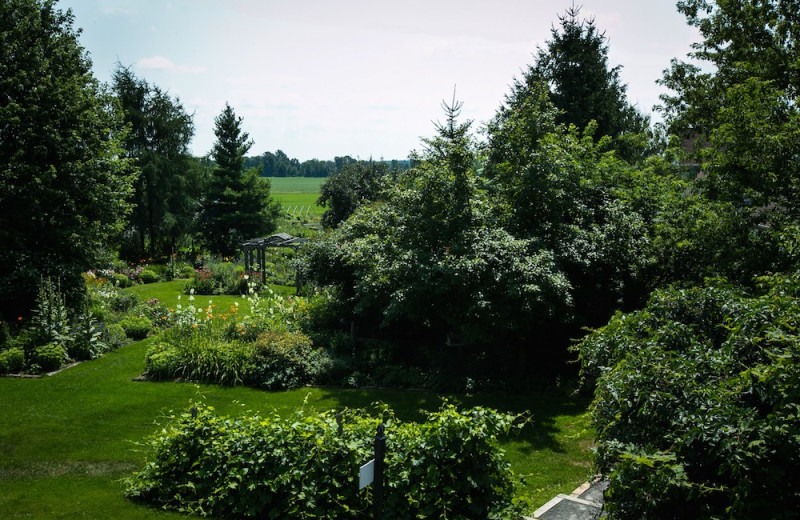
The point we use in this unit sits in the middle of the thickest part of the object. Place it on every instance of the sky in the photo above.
(366, 78)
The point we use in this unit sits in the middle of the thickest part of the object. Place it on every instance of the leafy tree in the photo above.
(430, 260)
(64, 182)
(583, 88)
(742, 40)
(355, 184)
(237, 205)
(743, 114)
(168, 188)
(278, 164)
(617, 230)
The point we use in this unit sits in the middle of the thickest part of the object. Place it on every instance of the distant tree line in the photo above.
(278, 164)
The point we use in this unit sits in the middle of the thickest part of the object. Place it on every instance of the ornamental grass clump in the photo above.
(306, 466)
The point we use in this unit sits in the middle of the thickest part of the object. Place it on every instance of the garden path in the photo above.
(585, 503)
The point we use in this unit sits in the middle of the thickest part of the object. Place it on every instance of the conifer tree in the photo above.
(237, 205)
(167, 190)
(583, 87)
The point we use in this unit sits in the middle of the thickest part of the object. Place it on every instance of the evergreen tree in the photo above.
(583, 88)
(237, 205)
(167, 189)
(64, 185)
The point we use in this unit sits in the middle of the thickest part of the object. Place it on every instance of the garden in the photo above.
(99, 430)
(567, 290)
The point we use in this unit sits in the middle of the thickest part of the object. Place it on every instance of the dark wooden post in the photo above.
(380, 454)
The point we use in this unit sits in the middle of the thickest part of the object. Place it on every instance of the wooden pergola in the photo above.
(255, 251)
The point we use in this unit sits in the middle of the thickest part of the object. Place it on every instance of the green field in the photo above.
(298, 195)
(296, 184)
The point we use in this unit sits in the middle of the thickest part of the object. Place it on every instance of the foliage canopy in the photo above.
(64, 181)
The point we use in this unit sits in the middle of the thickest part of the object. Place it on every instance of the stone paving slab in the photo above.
(585, 503)
(568, 507)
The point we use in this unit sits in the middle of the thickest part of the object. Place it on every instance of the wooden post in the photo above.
(380, 454)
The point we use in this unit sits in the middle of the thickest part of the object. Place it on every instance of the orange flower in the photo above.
(19, 318)
(194, 325)
(163, 317)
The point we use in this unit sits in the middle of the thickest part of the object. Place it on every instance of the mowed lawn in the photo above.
(66, 441)
(298, 195)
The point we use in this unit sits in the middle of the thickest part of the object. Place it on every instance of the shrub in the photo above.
(136, 327)
(287, 360)
(115, 336)
(49, 357)
(121, 280)
(697, 402)
(12, 361)
(215, 278)
(186, 271)
(305, 465)
(162, 362)
(122, 301)
(148, 276)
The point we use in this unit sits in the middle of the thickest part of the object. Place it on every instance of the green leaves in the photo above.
(64, 185)
(303, 466)
(696, 402)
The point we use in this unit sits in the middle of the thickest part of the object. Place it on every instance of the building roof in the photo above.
(278, 240)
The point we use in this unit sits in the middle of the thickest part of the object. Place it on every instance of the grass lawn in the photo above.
(67, 440)
(168, 293)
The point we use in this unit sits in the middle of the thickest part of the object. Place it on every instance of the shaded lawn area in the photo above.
(66, 441)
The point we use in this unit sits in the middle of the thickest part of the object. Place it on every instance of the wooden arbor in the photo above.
(255, 251)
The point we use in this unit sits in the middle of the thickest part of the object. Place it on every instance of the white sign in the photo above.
(366, 474)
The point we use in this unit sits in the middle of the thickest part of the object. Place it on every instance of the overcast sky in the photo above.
(325, 78)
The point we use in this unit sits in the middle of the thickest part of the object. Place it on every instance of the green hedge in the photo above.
(697, 406)
(305, 466)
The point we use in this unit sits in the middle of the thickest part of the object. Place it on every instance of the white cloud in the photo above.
(162, 63)
(156, 62)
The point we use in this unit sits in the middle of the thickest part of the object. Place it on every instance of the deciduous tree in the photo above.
(64, 182)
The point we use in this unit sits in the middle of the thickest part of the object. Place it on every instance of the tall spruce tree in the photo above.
(237, 205)
(165, 200)
(574, 64)
(64, 184)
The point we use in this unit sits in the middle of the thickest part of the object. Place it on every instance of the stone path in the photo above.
(585, 503)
